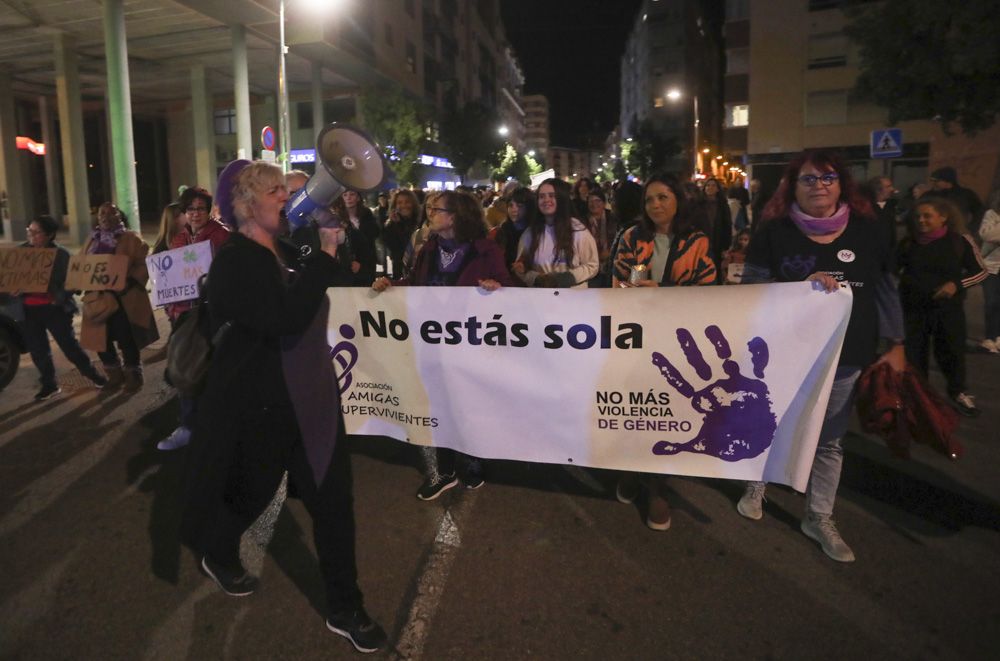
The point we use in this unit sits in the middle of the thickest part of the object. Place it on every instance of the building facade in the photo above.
(187, 85)
(536, 126)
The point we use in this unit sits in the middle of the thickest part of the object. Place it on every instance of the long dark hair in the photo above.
(683, 222)
(823, 159)
(563, 224)
(469, 222)
(525, 199)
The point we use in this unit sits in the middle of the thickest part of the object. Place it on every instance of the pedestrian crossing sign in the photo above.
(887, 143)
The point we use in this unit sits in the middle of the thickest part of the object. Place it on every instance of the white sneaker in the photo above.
(822, 529)
(178, 439)
(751, 504)
(990, 345)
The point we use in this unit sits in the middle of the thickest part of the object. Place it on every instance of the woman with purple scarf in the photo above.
(818, 227)
(271, 403)
(132, 326)
(457, 254)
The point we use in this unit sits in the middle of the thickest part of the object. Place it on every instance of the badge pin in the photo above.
(846, 256)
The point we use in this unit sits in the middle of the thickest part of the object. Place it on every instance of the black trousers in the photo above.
(269, 443)
(39, 320)
(941, 328)
(119, 329)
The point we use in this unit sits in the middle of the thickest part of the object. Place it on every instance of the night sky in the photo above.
(571, 51)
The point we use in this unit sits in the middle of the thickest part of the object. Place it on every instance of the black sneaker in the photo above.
(46, 392)
(235, 583)
(473, 481)
(363, 632)
(99, 380)
(435, 486)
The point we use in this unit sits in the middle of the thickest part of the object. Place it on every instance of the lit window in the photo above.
(737, 114)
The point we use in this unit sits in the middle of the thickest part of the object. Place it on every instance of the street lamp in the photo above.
(503, 130)
(675, 94)
(312, 6)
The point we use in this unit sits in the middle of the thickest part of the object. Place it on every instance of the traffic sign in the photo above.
(267, 138)
(887, 143)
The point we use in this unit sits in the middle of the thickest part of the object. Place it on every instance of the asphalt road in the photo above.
(541, 563)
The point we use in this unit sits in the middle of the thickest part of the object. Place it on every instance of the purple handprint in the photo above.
(738, 423)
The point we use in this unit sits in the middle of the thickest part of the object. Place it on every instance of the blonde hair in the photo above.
(168, 223)
(256, 178)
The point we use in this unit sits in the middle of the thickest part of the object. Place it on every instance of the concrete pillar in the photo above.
(120, 111)
(201, 122)
(52, 179)
(12, 199)
(71, 142)
(241, 93)
(317, 98)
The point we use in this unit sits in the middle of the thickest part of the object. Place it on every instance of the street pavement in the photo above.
(541, 563)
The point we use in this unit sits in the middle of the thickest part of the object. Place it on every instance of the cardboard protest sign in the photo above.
(174, 273)
(26, 270)
(96, 272)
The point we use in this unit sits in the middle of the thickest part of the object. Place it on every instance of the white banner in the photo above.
(725, 382)
(173, 274)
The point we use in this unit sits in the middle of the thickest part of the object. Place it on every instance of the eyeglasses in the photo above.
(436, 209)
(809, 180)
(197, 210)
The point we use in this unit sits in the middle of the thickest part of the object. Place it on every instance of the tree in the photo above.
(398, 123)
(469, 135)
(512, 164)
(647, 152)
(926, 59)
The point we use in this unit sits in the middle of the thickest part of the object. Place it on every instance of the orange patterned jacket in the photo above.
(689, 263)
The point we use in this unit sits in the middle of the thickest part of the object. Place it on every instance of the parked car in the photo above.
(12, 343)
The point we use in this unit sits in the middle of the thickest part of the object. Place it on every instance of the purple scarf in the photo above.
(104, 242)
(812, 226)
(923, 238)
(450, 255)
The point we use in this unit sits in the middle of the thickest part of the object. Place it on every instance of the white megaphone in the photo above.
(346, 158)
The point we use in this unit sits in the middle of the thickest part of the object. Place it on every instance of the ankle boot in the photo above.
(115, 376)
(133, 378)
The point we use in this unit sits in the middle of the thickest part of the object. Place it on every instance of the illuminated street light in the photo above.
(284, 124)
(531, 152)
(503, 130)
(674, 94)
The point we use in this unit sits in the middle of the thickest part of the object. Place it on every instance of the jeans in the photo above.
(39, 320)
(991, 305)
(824, 477)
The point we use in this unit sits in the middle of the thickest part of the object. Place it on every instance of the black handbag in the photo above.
(189, 349)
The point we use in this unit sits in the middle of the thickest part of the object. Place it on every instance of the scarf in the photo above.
(812, 226)
(104, 242)
(923, 238)
(449, 255)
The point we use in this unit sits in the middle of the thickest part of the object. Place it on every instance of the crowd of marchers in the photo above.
(266, 407)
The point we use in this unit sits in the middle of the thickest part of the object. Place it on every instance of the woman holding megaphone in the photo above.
(271, 404)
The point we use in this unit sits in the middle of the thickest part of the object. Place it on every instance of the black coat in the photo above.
(248, 288)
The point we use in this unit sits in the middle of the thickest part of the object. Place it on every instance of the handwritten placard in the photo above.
(174, 273)
(96, 272)
(26, 270)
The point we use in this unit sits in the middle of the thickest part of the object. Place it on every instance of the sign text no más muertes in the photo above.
(725, 382)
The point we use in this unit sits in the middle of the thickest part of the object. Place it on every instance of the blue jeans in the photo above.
(824, 477)
(991, 305)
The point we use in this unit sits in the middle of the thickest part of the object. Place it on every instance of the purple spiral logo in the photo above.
(345, 356)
